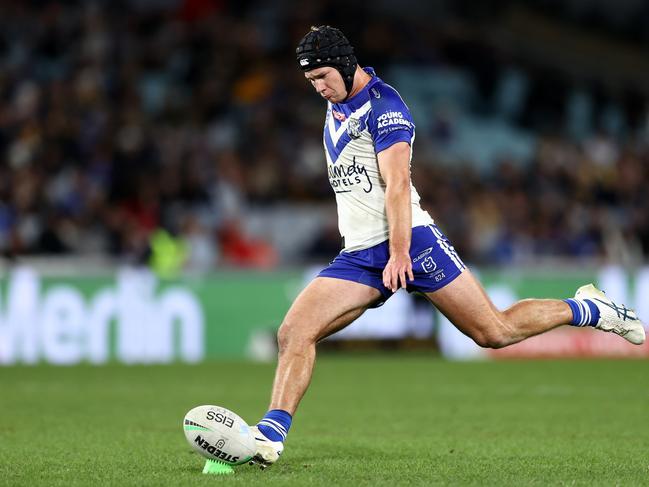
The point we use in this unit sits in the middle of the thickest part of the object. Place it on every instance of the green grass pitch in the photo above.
(367, 420)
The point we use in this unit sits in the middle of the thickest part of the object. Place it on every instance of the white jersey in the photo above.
(355, 132)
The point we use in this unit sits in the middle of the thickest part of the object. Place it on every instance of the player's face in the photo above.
(328, 83)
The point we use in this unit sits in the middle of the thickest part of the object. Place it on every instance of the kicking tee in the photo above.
(355, 132)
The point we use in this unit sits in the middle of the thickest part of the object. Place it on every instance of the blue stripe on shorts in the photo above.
(435, 263)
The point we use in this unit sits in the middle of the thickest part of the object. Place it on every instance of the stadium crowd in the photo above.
(118, 119)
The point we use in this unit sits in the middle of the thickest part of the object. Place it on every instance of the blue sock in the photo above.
(275, 424)
(584, 312)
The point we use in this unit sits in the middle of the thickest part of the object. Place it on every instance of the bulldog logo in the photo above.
(354, 128)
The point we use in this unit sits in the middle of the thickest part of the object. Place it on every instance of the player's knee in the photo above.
(494, 332)
(291, 336)
(490, 339)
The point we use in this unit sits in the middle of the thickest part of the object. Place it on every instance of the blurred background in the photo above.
(163, 187)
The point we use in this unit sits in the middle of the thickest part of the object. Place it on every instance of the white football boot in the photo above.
(612, 317)
(268, 451)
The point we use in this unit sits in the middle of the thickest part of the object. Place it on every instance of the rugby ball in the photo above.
(219, 434)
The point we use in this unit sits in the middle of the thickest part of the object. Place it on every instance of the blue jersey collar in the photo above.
(362, 96)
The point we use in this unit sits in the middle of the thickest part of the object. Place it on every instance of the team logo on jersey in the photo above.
(354, 128)
(338, 116)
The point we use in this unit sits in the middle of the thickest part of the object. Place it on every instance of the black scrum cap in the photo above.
(327, 46)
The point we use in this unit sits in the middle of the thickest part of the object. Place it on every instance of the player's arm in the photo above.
(394, 165)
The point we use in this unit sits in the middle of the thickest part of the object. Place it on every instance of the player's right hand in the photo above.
(399, 267)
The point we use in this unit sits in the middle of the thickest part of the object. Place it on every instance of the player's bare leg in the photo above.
(324, 307)
(465, 303)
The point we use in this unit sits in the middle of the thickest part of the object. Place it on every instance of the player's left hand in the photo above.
(398, 268)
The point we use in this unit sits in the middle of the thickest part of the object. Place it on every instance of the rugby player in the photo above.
(390, 242)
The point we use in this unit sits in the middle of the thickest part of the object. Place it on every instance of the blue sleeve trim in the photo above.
(397, 135)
